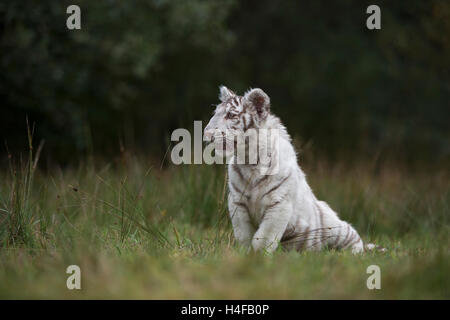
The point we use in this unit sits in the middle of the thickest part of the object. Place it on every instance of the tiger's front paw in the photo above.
(263, 244)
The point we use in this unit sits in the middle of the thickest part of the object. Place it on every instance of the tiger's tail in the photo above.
(374, 247)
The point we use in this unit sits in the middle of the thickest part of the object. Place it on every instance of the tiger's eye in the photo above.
(230, 115)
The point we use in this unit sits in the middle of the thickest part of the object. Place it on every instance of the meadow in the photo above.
(140, 231)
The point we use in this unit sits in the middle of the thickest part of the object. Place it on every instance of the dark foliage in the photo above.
(139, 69)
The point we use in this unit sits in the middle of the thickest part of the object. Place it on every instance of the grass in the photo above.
(145, 233)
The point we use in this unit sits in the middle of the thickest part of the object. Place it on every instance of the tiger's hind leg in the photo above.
(339, 234)
(356, 244)
(357, 247)
(344, 236)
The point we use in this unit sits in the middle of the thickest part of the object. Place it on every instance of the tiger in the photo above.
(269, 208)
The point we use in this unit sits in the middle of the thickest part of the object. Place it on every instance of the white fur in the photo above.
(267, 209)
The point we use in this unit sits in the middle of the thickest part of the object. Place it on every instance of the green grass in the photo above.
(140, 232)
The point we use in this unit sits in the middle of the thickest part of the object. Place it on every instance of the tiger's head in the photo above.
(235, 115)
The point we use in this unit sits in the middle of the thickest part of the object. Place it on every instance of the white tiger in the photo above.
(268, 209)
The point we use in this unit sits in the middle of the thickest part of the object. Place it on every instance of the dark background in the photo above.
(139, 69)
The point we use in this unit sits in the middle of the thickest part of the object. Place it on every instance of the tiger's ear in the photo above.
(225, 93)
(258, 100)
